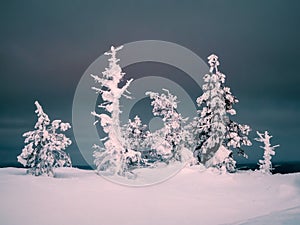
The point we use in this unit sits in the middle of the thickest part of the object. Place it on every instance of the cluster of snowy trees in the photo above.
(131, 145)
(212, 136)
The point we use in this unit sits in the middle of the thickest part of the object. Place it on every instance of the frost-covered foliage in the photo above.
(213, 127)
(135, 134)
(265, 165)
(44, 149)
(222, 160)
(136, 138)
(167, 141)
(113, 158)
(211, 123)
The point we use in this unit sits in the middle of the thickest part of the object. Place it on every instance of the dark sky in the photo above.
(45, 47)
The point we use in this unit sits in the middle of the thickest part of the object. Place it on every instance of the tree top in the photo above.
(213, 63)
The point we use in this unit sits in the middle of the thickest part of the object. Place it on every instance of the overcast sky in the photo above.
(45, 47)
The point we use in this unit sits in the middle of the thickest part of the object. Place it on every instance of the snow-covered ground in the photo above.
(193, 196)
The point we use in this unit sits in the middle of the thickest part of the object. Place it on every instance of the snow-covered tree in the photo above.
(167, 141)
(223, 160)
(265, 165)
(44, 149)
(112, 159)
(213, 128)
(211, 124)
(136, 136)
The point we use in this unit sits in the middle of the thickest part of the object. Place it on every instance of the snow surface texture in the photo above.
(194, 196)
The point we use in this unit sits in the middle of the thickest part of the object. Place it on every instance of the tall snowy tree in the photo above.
(44, 149)
(168, 141)
(265, 165)
(211, 124)
(112, 159)
(213, 128)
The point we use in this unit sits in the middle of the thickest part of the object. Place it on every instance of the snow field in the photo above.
(193, 196)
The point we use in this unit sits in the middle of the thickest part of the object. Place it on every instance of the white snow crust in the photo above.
(194, 196)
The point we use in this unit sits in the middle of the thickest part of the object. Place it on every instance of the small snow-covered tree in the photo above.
(112, 159)
(136, 136)
(265, 165)
(223, 160)
(213, 127)
(168, 141)
(135, 133)
(44, 149)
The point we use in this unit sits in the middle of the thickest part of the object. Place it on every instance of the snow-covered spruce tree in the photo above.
(265, 165)
(44, 149)
(112, 159)
(136, 136)
(213, 128)
(167, 141)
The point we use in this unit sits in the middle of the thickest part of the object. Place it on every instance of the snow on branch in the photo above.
(213, 63)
